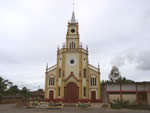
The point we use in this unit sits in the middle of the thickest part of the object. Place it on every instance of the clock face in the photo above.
(72, 61)
(72, 30)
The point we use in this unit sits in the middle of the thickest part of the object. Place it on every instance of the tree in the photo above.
(8, 89)
(25, 92)
(4, 84)
(40, 90)
(115, 77)
(114, 74)
(124, 80)
(13, 90)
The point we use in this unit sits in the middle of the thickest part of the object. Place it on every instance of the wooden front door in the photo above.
(71, 94)
(51, 95)
(93, 96)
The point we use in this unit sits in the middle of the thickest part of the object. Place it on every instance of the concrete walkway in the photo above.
(11, 108)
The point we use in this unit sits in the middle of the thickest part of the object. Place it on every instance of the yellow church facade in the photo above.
(72, 79)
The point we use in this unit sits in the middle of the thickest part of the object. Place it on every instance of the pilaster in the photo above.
(57, 72)
(87, 75)
(63, 73)
(99, 84)
(80, 75)
(46, 83)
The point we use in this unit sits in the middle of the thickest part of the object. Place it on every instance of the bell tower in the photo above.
(72, 36)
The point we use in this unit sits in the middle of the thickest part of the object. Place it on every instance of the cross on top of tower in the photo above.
(73, 4)
(73, 20)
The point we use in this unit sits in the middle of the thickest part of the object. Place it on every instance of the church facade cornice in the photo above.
(72, 50)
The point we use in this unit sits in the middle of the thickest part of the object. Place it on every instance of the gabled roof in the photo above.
(93, 68)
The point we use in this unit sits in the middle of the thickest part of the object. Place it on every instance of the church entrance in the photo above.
(71, 94)
(51, 95)
(93, 96)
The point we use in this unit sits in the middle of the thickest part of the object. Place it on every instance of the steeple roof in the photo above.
(73, 19)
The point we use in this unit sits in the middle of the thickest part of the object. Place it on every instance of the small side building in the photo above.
(135, 93)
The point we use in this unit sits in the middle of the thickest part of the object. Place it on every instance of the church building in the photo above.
(72, 79)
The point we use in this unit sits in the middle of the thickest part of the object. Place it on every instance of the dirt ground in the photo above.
(11, 108)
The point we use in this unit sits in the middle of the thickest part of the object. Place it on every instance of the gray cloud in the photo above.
(34, 85)
(117, 32)
(118, 61)
(7, 58)
(143, 61)
(140, 59)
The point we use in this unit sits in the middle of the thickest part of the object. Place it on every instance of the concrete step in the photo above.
(43, 105)
(69, 105)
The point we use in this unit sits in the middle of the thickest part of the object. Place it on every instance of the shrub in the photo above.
(117, 103)
(105, 105)
(121, 102)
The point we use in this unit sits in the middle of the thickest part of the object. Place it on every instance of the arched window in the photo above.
(59, 72)
(59, 91)
(51, 81)
(84, 73)
(74, 45)
(70, 44)
(93, 81)
(84, 91)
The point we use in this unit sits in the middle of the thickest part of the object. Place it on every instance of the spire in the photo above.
(73, 20)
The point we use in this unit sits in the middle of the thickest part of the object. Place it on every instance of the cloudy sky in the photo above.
(116, 31)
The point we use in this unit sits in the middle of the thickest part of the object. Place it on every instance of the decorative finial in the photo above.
(58, 48)
(46, 67)
(63, 45)
(98, 68)
(87, 47)
(80, 45)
